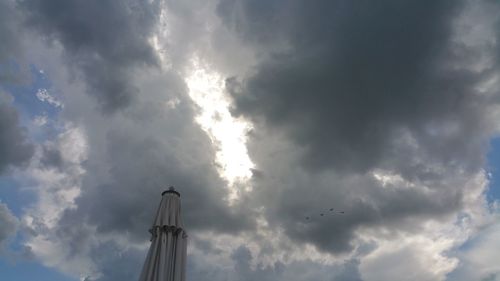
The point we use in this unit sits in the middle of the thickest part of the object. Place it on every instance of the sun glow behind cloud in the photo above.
(228, 134)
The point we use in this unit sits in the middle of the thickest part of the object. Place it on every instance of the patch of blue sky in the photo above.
(476, 247)
(25, 95)
(35, 99)
(29, 106)
(493, 194)
(494, 169)
(9, 71)
(26, 270)
(25, 100)
(15, 197)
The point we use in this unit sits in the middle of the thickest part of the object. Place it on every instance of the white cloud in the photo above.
(44, 96)
(479, 256)
(40, 120)
(56, 189)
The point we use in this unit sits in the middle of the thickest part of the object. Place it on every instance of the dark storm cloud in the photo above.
(357, 86)
(133, 155)
(392, 208)
(169, 149)
(142, 168)
(355, 76)
(9, 46)
(352, 85)
(14, 147)
(106, 40)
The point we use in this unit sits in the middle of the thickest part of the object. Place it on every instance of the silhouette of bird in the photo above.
(323, 214)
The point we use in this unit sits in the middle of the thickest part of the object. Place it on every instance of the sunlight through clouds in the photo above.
(228, 134)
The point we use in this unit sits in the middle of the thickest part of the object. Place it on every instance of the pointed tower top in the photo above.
(171, 189)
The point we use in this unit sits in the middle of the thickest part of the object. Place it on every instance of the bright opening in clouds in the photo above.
(228, 134)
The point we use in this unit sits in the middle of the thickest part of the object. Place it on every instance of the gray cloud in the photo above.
(346, 88)
(129, 262)
(391, 209)
(340, 90)
(245, 268)
(355, 77)
(7, 31)
(133, 155)
(11, 47)
(51, 157)
(350, 272)
(478, 256)
(8, 222)
(140, 170)
(14, 147)
(106, 40)
(491, 277)
(169, 150)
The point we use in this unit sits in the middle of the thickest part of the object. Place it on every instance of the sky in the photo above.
(329, 140)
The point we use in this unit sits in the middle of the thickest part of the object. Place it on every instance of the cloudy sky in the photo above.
(332, 140)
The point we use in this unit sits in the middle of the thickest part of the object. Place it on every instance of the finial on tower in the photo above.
(171, 189)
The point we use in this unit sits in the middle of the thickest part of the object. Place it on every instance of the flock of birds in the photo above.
(323, 214)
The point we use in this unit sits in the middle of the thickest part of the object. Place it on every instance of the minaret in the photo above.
(166, 259)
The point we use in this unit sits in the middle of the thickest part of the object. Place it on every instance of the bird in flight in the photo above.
(323, 214)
